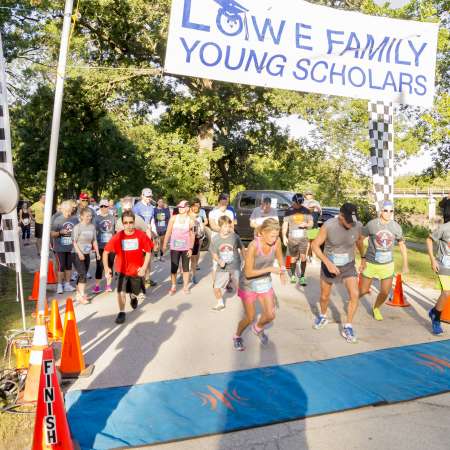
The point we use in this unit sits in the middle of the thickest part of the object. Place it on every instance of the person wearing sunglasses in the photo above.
(378, 262)
(133, 249)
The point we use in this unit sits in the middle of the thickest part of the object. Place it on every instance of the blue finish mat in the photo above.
(164, 411)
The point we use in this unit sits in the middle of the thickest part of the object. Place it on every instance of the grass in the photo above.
(16, 430)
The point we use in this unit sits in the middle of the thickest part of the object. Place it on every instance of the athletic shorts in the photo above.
(196, 247)
(222, 278)
(298, 248)
(347, 271)
(64, 261)
(379, 271)
(130, 285)
(38, 230)
(250, 297)
(444, 282)
(312, 233)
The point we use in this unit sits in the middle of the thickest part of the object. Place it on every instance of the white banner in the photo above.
(292, 44)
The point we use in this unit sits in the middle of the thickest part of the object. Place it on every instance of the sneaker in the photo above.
(238, 344)
(141, 297)
(89, 276)
(172, 290)
(349, 335)
(120, 318)
(435, 324)
(320, 322)
(152, 283)
(96, 290)
(59, 289)
(147, 284)
(74, 276)
(261, 335)
(293, 279)
(179, 279)
(219, 306)
(108, 288)
(194, 280)
(302, 281)
(68, 287)
(377, 314)
(133, 301)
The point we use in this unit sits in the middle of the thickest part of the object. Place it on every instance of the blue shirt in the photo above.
(145, 211)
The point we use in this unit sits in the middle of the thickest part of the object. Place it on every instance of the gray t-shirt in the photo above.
(227, 250)
(442, 237)
(382, 237)
(85, 236)
(259, 216)
(105, 229)
(63, 243)
(340, 242)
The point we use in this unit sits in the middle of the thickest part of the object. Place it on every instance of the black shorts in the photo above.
(38, 230)
(64, 261)
(130, 285)
(175, 256)
(196, 247)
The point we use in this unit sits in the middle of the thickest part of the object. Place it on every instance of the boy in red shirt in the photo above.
(130, 246)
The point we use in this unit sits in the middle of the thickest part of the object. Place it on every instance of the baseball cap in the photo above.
(103, 202)
(147, 192)
(309, 192)
(349, 211)
(223, 196)
(388, 204)
(183, 204)
(84, 196)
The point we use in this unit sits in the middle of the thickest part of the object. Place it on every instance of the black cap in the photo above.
(349, 211)
(298, 198)
(223, 196)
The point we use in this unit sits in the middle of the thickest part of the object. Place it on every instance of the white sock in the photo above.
(220, 301)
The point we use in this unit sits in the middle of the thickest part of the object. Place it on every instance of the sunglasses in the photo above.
(103, 206)
(129, 223)
(83, 200)
(388, 210)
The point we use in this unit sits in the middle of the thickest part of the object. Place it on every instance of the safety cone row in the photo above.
(398, 298)
(55, 329)
(51, 429)
(46, 315)
(51, 279)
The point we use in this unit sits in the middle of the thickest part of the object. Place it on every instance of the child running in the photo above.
(255, 282)
(225, 247)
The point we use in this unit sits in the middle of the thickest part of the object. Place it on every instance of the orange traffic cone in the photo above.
(51, 429)
(445, 314)
(51, 276)
(398, 299)
(35, 291)
(36, 313)
(69, 309)
(55, 329)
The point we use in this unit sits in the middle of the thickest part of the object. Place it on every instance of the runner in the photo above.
(104, 225)
(25, 223)
(161, 216)
(340, 235)
(441, 266)
(378, 261)
(313, 205)
(61, 232)
(84, 202)
(180, 233)
(130, 245)
(84, 240)
(37, 214)
(263, 212)
(296, 223)
(225, 248)
(255, 281)
(200, 222)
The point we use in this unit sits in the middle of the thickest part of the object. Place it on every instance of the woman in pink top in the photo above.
(180, 233)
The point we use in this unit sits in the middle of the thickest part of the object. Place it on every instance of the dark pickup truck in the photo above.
(246, 201)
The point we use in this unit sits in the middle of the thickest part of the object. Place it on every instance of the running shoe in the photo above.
(96, 290)
(377, 314)
(120, 318)
(435, 324)
(219, 306)
(319, 322)
(74, 276)
(59, 289)
(83, 299)
(293, 279)
(194, 280)
(179, 279)
(172, 290)
(133, 301)
(68, 287)
(89, 276)
(147, 284)
(302, 281)
(141, 297)
(349, 335)
(261, 335)
(152, 283)
(238, 344)
(108, 288)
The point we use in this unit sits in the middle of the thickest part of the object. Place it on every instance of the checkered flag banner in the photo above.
(381, 135)
(9, 227)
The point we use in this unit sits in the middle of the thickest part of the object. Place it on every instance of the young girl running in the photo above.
(255, 282)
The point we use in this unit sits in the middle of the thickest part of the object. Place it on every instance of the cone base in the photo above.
(87, 372)
(400, 305)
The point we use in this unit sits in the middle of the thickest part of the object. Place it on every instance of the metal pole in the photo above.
(53, 151)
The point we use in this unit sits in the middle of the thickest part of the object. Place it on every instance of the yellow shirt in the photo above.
(38, 212)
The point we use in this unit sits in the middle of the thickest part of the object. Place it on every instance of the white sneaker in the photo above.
(68, 287)
(59, 289)
(219, 306)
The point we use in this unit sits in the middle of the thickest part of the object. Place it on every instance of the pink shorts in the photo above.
(250, 296)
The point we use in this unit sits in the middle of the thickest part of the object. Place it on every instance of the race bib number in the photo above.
(383, 257)
(26, 221)
(105, 237)
(261, 285)
(179, 244)
(87, 249)
(161, 224)
(446, 261)
(299, 233)
(226, 257)
(66, 240)
(130, 244)
(340, 259)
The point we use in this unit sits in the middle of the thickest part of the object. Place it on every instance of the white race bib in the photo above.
(179, 244)
(383, 257)
(261, 285)
(66, 240)
(105, 237)
(298, 233)
(161, 224)
(226, 257)
(130, 244)
(26, 221)
(87, 248)
(446, 261)
(340, 259)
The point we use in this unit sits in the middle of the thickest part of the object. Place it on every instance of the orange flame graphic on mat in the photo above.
(433, 362)
(225, 397)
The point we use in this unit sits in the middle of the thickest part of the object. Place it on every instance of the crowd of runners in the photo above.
(127, 236)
